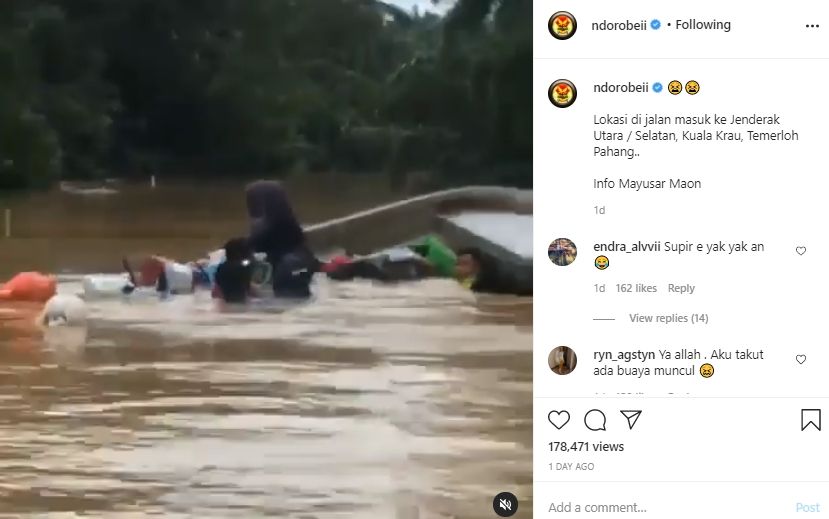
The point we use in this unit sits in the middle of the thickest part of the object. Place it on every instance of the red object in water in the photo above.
(149, 271)
(29, 286)
(335, 262)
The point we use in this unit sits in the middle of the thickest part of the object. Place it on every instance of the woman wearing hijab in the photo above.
(276, 232)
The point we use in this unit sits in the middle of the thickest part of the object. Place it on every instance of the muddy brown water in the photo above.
(408, 401)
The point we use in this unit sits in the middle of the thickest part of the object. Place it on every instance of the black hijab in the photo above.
(274, 227)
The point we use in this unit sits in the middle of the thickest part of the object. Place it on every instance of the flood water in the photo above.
(410, 401)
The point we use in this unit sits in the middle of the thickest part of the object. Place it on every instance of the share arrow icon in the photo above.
(632, 417)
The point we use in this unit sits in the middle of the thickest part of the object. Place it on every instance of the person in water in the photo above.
(238, 266)
(275, 231)
(169, 276)
(235, 274)
(471, 267)
(479, 272)
(428, 258)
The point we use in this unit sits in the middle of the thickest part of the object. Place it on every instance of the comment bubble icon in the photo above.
(595, 420)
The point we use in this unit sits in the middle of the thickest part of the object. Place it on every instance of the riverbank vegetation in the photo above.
(91, 89)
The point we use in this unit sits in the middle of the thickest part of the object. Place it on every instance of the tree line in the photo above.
(92, 89)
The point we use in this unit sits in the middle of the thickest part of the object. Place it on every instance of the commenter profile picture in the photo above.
(562, 93)
(562, 252)
(562, 360)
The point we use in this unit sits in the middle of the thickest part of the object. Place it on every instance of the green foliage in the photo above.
(29, 151)
(92, 88)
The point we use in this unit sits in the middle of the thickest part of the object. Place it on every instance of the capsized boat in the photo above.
(496, 220)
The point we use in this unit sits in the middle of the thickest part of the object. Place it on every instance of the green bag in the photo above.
(438, 254)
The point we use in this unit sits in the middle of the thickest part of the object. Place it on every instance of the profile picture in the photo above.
(562, 25)
(562, 360)
(562, 252)
(562, 93)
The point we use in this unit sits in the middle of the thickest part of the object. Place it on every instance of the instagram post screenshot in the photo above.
(679, 366)
(275, 258)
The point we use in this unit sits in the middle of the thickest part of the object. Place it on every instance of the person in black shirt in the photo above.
(233, 277)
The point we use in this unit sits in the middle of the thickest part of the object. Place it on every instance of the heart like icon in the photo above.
(801, 250)
(800, 359)
(558, 418)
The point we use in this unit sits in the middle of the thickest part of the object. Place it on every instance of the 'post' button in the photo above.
(808, 508)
